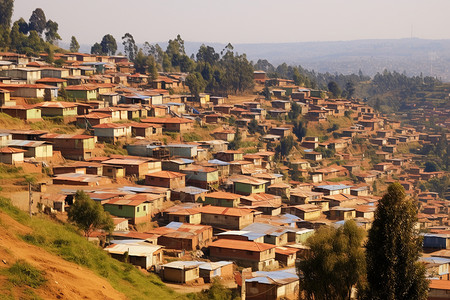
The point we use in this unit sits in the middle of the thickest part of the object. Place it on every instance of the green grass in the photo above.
(114, 149)
(22, 273)
(54, 125)
(173, 135)
(407, 147)
(6, 121)
(191, 137)
(64, 240)
(8, 172)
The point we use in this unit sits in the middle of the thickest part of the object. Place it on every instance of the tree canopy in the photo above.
(38, 21)
(336, 263)
(129, 46)
(51, 32)
(393, 249)
(196, 84)
(88, 215)
(74, 45)
(6, 11)
(109, 45)
(285, 147)
(334, 89)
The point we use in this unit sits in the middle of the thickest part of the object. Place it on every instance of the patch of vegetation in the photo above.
(338, 179)
(66, 242)
(22, 273)
(191, 137)
(116, 148)
(173, 135)
(9, 171)
(54, 126)
(247, 144)
(436, 185)
(216, 291)
(326, 153)
(250, 150)
(6, 121)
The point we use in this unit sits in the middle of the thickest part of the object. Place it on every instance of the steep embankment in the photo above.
(73, 268)
(65, 280)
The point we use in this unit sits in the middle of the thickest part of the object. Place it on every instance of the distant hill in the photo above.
(413, 56)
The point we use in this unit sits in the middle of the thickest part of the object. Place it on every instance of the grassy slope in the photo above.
(64, 241)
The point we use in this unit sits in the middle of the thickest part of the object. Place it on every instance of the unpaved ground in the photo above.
(65, 280)
(185, 289)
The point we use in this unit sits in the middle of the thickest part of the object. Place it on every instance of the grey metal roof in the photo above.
(275, 277)
(192, 190)
(266, 229)
(24, 143)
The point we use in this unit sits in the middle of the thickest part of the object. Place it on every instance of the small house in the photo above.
(141, 254)
(258, 256)
(226, 217)
(202, 177)
(283, 284)
(222, 199)
(11, 156)
(168, 179)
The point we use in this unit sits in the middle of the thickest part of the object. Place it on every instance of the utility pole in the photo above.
(243, 285)
(245, 272)
(30, 198)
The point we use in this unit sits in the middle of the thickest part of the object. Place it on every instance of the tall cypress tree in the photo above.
(393, 249)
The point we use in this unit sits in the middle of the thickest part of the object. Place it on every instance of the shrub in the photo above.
(22, 273)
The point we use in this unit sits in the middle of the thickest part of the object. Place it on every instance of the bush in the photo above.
(22, 273)
(191, 137)
(173, 135)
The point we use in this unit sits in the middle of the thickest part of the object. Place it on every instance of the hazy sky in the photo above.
(244, 21)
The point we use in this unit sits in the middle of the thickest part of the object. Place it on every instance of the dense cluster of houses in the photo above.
(215, 208)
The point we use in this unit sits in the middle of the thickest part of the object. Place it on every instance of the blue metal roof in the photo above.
(436, 259)
(334, 187)
(218, 162)
(174, 225)
(289, 217)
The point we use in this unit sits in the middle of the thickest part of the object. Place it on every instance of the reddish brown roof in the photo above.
(228, 211)
(166, 174)
(111, 125)
(58, 104)
(166, 120)
(223, 195)
(66, 136)
(440, 284)
(89, 87)
(11, 150)
(94, 115)
(241, 245)
(50, 79)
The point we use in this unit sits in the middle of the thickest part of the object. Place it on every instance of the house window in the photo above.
(137, 209)
(120, 207)
(145, 208)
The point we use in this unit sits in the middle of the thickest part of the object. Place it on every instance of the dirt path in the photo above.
(65, 280)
